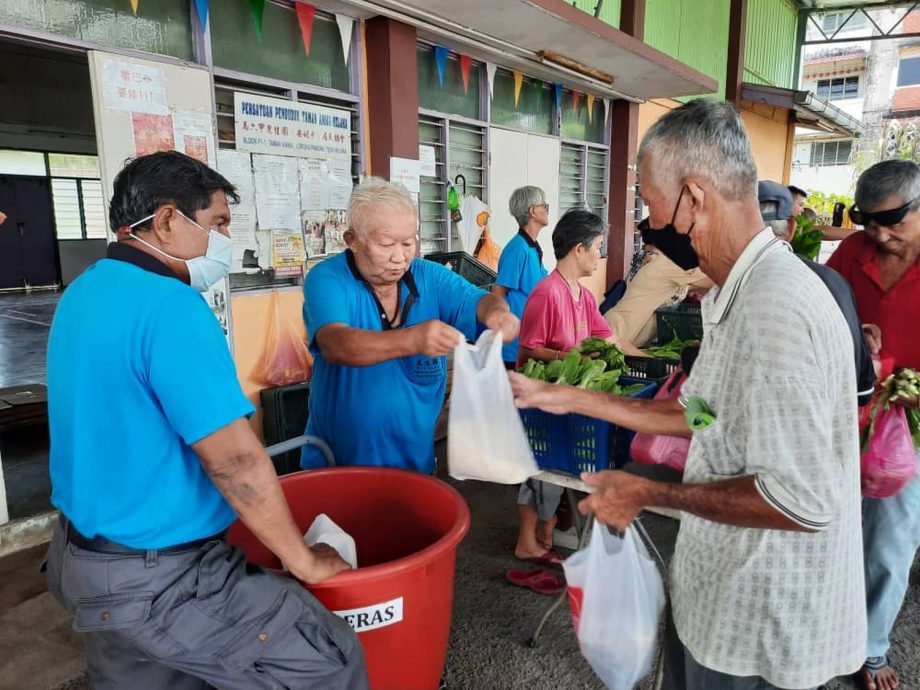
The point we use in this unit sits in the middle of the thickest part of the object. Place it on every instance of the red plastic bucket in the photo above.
(406, 528)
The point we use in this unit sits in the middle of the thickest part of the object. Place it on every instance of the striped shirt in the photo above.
(776, 368)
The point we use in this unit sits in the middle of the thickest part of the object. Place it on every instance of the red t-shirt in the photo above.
(552, 318)
(896, 311)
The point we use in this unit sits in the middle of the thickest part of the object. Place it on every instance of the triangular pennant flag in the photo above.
(518, 83)
(305, 14)
(490, 75)
(575, 98)
(346, 25)
(134, 5)
(440, 57)
(606, 110)
(257, 8)
(590, 107)
(202, 7)
(465, 63)
(557, 90)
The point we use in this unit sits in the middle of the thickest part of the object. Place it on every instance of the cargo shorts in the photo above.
(197, 619)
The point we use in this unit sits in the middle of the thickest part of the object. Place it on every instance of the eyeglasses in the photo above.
(886, 219)
(546, 206)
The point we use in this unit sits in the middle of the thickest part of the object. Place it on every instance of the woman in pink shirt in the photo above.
(559, 314)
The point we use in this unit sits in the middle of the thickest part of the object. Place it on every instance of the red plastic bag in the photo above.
(655, 449)
(889, 462)
(286, 358)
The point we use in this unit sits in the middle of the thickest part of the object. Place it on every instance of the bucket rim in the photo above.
(447, 542)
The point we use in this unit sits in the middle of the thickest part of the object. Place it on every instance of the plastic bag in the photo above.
(325, 531)
(488, 252)
(286, 358)
(889, 462)
(655, 449)
(485, 436)
(617, 596)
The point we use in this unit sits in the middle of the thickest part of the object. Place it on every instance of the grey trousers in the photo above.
(543, 496)
(199, 618)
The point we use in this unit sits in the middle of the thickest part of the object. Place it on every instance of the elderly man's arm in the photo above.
(664, 417)
(493, 313)
(242, 471)
(356, 347)
(619, 497)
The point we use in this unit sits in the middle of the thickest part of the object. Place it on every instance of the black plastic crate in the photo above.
(285, 411)
(467, 267)
(684, 321)
(652, 368)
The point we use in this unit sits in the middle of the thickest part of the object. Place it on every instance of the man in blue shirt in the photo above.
(152, 457)
(380, 322)
(520, 266)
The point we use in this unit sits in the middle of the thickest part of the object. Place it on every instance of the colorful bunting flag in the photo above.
(490, 75)
(346, 28)
(557, 90)
(134, 5)
(257, 9)
(305, 14)
(590, 107)
(465, 63)
(518, 83)
(575, 98)
(202, 7)
(440, 57)
(606, 110)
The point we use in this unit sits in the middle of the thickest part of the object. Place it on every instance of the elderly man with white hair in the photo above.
(766, 580)
(380, 322)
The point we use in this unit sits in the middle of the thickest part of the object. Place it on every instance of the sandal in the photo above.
(539, 581)
(873, 666)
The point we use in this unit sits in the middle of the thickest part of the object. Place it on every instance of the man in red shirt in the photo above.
(882, 266)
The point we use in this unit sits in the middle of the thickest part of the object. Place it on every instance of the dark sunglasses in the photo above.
(886, 219)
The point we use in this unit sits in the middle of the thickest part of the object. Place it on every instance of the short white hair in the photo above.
(707, 138)
(372, 196)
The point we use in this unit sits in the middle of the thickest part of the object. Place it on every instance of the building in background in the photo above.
(874, 81)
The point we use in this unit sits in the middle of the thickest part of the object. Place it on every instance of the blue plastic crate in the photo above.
(573, 443)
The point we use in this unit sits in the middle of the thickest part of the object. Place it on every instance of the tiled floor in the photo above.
(25, 319)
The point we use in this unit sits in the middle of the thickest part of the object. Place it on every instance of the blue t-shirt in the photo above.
(138, 370)
(520, 268)
(381, 415)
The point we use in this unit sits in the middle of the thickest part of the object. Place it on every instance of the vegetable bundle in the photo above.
(594, 365)
(901, 388)
(806, 242)
(670, 350)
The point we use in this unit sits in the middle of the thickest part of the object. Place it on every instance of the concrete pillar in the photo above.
(624, 130)
(392, 92)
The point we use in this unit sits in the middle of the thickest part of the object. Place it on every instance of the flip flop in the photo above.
(539, 581)
(550, 558)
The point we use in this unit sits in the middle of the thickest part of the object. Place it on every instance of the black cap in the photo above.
(798, 190)
(769, 191)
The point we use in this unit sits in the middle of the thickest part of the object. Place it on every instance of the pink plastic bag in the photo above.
(654, 449)
(889, 461)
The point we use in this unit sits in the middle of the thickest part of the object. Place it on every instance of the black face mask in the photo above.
(673, 244)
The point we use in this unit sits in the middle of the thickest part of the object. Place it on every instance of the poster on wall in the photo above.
(236, 166)
(281, 127)
(140, 107)
(194, 135)
(288, 255)
(133, 87)
(277, 201)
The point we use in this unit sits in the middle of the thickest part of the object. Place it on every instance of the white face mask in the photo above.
(205, 270)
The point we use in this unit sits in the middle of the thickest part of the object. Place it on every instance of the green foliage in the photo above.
(898, 141)
(823, 205)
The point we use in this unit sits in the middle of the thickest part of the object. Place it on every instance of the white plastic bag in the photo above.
(617, 597)
(485, 436)
(325, 531)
